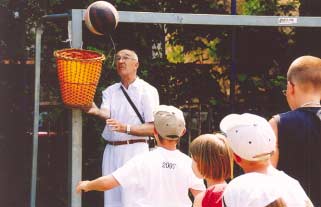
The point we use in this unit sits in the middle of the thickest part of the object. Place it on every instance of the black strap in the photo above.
(224, 204)
(133, 105)
(151, 143)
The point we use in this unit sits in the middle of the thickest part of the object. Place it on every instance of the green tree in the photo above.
(262, 57)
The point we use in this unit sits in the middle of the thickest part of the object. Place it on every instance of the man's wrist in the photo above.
(96, 112)
(86, 187)
(128, 129)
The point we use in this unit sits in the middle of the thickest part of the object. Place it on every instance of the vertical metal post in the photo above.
(75, 152)
(189, 126)
(36, 119)
(233, 64)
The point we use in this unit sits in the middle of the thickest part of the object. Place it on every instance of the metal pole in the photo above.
(34, 167)
(75, 152)
(36, 119)
(233, 63)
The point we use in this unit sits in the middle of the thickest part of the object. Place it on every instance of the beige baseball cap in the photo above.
(169, 122)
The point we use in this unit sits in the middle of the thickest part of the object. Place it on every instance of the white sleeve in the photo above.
(128, 175)
(195, 182)
(150, 101)
(299, 191)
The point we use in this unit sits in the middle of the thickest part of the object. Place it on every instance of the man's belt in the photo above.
(130, 141)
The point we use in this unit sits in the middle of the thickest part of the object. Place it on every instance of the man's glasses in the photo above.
(125, 58)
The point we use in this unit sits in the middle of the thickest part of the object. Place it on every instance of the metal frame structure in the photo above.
(214, 19)
(77, 16)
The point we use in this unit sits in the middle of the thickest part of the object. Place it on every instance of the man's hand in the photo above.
(94, 110)
(91, 109)
(116, 125)
(146, 129)
(82, 185)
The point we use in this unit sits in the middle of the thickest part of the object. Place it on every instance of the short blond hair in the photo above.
(306, 71)
(213, 156)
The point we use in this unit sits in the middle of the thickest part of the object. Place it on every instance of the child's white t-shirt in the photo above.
(159, 178)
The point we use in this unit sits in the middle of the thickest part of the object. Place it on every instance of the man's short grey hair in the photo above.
(135, 56)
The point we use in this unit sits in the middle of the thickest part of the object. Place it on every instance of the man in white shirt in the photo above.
(253, 141)
(159, 178)
(124, 132)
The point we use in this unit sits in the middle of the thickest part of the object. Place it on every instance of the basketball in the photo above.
(101, 17)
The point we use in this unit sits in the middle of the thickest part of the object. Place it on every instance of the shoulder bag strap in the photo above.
(150, 143)
(133, 105)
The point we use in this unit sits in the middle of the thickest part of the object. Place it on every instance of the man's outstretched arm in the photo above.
(146, 129)
(94, 110)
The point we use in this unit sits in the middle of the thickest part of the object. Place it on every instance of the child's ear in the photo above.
(155, 132)
(183, 132)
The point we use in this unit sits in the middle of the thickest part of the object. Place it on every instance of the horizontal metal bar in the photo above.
(217, 19)
(214, 19)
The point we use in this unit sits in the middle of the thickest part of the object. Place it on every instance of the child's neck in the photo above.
(211, 182)
(168, 144)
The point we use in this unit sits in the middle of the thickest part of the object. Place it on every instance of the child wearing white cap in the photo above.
(159, 178)
(253, 141)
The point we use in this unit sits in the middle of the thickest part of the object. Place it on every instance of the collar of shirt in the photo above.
(133, 84)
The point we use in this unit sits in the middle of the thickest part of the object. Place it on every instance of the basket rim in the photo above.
(100, 58)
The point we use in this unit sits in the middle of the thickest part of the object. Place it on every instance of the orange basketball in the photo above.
(101, 17)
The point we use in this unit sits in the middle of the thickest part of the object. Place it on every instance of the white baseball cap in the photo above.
(251, 190)
(169, 122)
(250, 136)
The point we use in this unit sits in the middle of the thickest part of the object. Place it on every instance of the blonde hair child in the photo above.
(212, 161)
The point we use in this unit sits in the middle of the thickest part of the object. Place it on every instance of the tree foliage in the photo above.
(189, 64)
